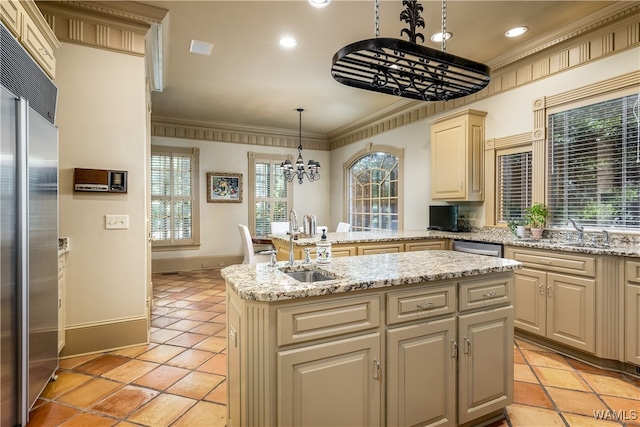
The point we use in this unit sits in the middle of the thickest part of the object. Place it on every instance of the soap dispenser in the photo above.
(323, 249)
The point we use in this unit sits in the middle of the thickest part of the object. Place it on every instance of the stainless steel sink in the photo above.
(308, 275)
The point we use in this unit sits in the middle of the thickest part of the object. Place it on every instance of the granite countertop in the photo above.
(560, 241)
(260, 282)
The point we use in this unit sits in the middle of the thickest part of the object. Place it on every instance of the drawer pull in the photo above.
(44, 52)
(549, 290)
(454, 349)
(376, 369)
(541, 289)
(490, 294)
(546, 262)
(233, 337)
(467, 347)
(425, 306)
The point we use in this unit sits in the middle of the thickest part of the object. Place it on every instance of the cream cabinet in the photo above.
(24, 20)
(436, 353)
(363, 248)
(632, 312)
(426, 245)
(61, 302)
(457, 157)
(321, 384)
(555, 296)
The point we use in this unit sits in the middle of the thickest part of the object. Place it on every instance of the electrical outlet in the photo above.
(116, 222)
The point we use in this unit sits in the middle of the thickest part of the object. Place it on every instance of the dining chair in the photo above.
(279, 227)
(250, 255)
(343, 227)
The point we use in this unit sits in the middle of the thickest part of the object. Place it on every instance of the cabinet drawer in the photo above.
(339, 251)
(414, 304)
(633, 271)
(485, 293)
(320, 320)
(425, 245)
(554, 261)
(390, 248)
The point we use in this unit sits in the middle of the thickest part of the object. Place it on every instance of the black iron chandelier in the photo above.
(312, 172)
(404, 68)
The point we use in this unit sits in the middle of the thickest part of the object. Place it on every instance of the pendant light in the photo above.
(312, 172)
(405, 68)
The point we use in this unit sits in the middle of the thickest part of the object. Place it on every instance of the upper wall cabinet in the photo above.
(24, 20)
(457, 157)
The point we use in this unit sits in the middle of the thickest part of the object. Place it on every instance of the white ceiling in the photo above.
(250, 80)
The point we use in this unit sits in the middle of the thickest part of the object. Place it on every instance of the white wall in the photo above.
(218, 221)
(510, 113)
(101, 117)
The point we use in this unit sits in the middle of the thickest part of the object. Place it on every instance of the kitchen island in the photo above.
(398, 339)
(362, 243)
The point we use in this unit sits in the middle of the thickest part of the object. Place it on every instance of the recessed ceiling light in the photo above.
(437, 37)
(201, 48)
(287, 42)
(515, 32)
(319, 3)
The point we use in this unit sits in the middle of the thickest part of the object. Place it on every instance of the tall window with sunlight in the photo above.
(173, 201)
(373, 193)
(271, 195)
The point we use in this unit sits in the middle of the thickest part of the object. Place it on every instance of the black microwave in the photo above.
(443, 217)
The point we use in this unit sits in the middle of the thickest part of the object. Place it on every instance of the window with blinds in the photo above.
(594, 164)
(514, 184)
(373, 192)
(270, 196)
(174, 196)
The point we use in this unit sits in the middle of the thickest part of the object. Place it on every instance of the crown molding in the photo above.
(116, 26)
(235, 133)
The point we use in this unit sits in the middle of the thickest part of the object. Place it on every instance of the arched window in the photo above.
(374, 189)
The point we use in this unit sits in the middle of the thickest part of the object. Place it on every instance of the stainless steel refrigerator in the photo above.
(28, 231)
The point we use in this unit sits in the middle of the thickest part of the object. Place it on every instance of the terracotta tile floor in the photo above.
(179, 378)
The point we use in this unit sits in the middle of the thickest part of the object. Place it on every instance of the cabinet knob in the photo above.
(425, 306)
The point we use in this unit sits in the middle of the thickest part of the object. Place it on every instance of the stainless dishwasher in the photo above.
(479, 248)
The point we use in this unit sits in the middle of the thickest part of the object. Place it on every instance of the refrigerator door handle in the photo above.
(22, 193)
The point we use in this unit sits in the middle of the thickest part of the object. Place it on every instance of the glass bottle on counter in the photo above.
(323, 249)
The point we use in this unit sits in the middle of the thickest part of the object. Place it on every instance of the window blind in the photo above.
(514, 185)
(172, 175)
(271, 195)
(594, 164)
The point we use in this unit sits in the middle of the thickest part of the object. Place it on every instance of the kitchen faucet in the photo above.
(579, 228)
(293, 232)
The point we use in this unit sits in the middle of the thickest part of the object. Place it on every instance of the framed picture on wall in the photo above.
(224, 187)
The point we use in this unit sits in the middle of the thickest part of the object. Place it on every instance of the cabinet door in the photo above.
(632, 324)
(448, 159)
(331, 384)
(485, 382)
(421, 374)
(530, 300)
(571, 311)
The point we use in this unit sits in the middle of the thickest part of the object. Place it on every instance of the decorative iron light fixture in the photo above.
(404, 68)
(313, 168)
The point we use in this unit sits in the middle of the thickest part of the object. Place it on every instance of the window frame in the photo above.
(194, 242)
(370, 148)
(572, 105)
(258, 158)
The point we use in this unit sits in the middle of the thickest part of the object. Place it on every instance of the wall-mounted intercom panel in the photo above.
(100, 180)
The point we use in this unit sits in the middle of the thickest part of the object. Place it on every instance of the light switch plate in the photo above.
(116, 222)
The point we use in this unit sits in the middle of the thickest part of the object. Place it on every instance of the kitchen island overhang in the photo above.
(294, 346)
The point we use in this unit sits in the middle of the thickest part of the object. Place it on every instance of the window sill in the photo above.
(164, 248)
